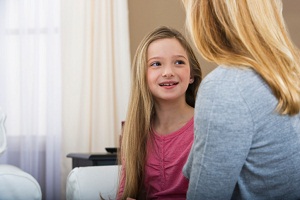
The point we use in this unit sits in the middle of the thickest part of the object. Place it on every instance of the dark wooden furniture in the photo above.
(92, 159)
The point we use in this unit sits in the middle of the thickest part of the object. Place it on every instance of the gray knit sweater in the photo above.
(243, 149)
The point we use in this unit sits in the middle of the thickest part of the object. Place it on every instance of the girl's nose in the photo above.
(167, 71)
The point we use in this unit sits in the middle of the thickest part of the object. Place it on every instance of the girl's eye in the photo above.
(179, 62)
(155, 64)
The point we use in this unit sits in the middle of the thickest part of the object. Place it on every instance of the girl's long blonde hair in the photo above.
(141, 110)
(249, 33)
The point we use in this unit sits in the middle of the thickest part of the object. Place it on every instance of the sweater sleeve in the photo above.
(223, 136)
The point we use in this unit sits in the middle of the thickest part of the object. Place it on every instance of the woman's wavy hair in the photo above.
(141, 110)
(249, 33)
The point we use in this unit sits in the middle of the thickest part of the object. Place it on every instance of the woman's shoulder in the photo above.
(227, 84)
(236, 77)
(230, 73)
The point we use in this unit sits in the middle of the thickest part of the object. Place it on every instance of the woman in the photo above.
(247, 123)
(158, 131)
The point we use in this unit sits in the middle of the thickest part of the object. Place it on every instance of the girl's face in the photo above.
(168, 72)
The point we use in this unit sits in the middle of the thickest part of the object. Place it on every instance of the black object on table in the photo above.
(93, 159)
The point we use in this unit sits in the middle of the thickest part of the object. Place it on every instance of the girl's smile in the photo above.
(168, 72)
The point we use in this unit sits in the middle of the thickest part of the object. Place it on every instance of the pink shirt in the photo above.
(166, 156)
(165, 159)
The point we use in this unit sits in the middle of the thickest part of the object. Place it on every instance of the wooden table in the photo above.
(93, 159)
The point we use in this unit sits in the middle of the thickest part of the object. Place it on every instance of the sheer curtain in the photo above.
(30, 89)
(64, 82)
(96, 75)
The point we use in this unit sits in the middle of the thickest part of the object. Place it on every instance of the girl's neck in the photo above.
(171, 117)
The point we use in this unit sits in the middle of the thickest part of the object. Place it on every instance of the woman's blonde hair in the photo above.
(249, 33)
(141, 110)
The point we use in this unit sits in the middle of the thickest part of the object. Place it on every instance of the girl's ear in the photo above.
(191, 80)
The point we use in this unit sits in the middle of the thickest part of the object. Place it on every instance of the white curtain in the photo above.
(96, 75)
(30, 89)
(64, 82)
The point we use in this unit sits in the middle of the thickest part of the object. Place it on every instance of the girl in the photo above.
(158, 131)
